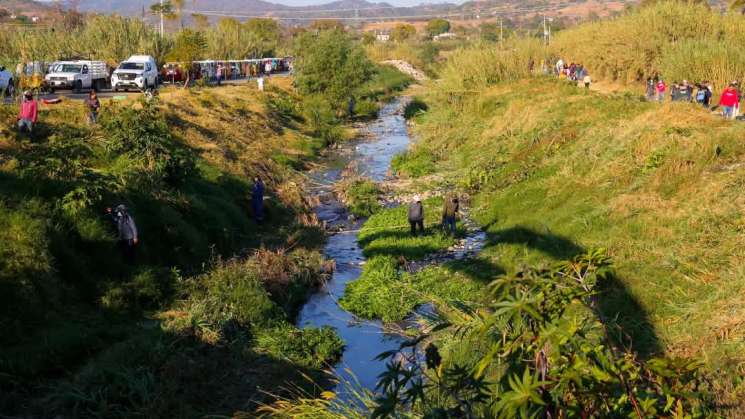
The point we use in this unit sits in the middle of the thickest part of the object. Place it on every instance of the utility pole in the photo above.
(501, 31)
(161, 19)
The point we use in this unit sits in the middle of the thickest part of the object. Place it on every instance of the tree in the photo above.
(330, 64)
(489, 32)
(326, 24)
(165, 9)
(437, 27)
(368, 38)
(201, 22)
(189, 46)
(402, 32)
(178, 9)
(738, 6)
(267, 32)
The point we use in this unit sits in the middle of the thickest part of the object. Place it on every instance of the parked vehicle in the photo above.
(77, 75)
(137, 72)
(173, 73)
(6, 81)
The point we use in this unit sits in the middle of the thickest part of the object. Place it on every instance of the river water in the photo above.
(384, 138)
(371, 156)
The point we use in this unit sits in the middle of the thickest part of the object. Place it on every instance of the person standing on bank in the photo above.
(29, 113)
(257, 199)
(93, 105)
(127, 230)
(416, 216)
(450, 210)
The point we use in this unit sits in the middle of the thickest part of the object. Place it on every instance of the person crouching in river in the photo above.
(450, 213)
(416, 216)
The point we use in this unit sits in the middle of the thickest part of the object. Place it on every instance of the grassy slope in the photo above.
(73, 309)
(559, 169)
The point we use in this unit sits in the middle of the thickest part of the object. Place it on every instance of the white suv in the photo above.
(137, 72)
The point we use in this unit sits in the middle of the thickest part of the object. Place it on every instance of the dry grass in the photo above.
(672, 38)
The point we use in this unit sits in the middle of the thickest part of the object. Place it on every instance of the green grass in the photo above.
(86, 334)
(384, 292)
(585, 170)
(387, 233)
(414, 163)
(361, 196)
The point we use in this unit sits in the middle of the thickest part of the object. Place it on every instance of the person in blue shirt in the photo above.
(257, 199)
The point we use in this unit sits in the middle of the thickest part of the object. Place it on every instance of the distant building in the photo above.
(383, 36)
(444, 36)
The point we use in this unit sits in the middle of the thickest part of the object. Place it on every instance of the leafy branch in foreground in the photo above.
(540, 352)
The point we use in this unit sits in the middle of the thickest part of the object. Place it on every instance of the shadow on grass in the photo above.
(617, 305)
(401, 243)
(127, 371)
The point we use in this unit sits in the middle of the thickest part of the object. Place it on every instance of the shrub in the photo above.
(361, 196)
(230, 299)
(141, 133)
(26, 263)
(415, 163)
(148, 289)
(378, 293)
(321, 119)
(312, 348)
(330, 63)
(415, 107)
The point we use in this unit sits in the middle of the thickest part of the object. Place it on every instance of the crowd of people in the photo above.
(700, 93)
(575, 73)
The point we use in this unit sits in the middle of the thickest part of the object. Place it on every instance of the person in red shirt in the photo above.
(729, 100)
(29, 113)
(661, 87)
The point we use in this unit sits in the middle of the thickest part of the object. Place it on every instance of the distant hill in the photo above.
(26, 7)
(350, 10)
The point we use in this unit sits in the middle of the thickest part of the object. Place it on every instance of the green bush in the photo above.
(231, 295)
(379, 293)
(330, 63)
(415, 107)
(142, 135)
(361, 197)
(148, 289)
(416, 162)
(313, 347)
(385, 292)
(321, 119)
(27, 282)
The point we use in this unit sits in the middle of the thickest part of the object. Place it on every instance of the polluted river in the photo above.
(371, 155)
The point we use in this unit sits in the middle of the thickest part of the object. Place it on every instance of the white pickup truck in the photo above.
(77, 75)
(137, 72)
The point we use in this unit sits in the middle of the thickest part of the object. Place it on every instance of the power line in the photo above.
(280, 14)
